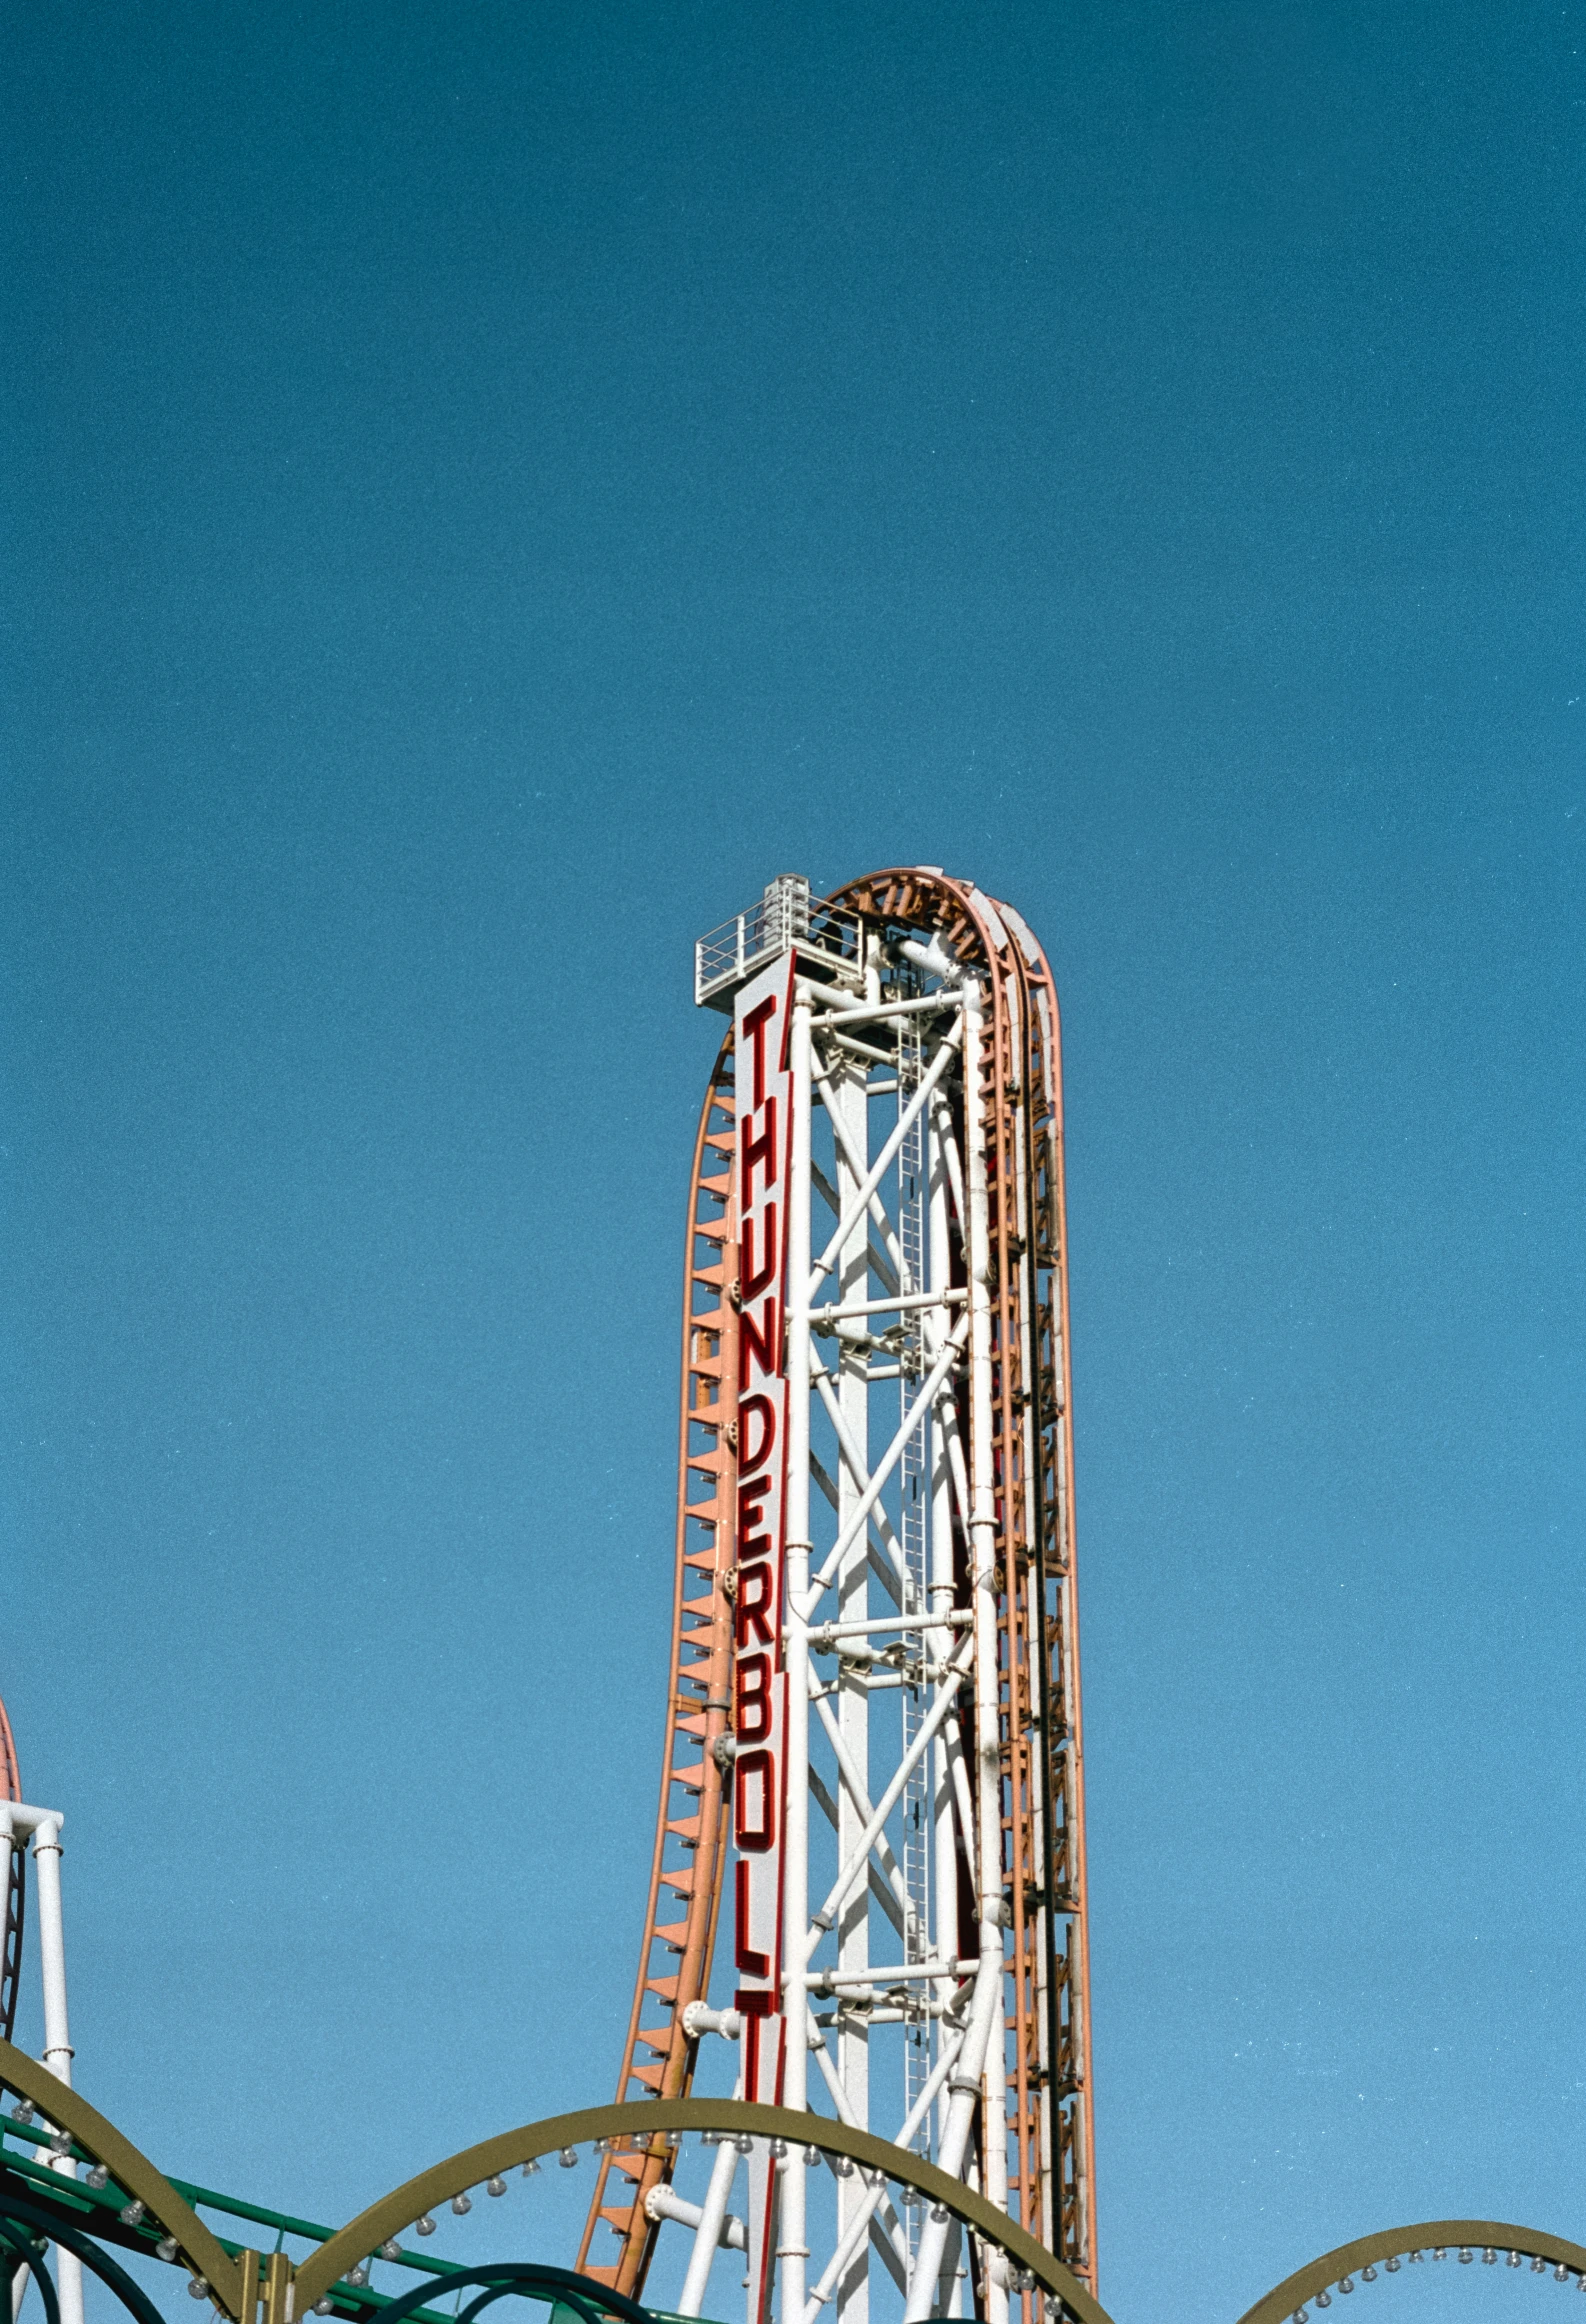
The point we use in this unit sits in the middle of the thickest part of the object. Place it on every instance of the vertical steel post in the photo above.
(985, 2009)
(940, 1642)
(707, 2235)
(57, 2036)
(793, 2247)
(846, 1083)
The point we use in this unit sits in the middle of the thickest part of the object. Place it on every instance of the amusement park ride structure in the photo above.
(866, 1909)
(873, 1768)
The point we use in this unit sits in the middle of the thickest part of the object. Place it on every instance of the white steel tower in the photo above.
(873, 1777)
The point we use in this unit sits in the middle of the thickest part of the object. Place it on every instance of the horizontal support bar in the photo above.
(868, 1013)
(956, 1618)
(842, 1980)
(894, 1306)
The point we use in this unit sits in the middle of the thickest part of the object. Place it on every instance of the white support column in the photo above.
(792, 2245)
(57, 2034)
(848, 1077)
(986, 2005)
(940, 1597)
(712, 2217)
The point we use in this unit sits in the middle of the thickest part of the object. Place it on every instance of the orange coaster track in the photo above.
(686, 1878)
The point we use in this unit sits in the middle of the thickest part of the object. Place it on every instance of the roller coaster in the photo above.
(858, 2055)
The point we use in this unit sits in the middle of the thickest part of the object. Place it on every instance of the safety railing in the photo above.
(786, 915)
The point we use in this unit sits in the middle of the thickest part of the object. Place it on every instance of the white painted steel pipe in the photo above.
(52, 1947)
(894, 1306)
(699, 2018)
(45, 1826)
(831, 2274)
(934, 956)
(712, 2218)
(866, 1013)
(854, 1460)
(856, 1790)
(878, 1477)
(838, 1981)
(662, 2203)
(986, 2005)
(860, 1168)
(941, 1589)
(845, 2113)
(888, 1154)
(955, 1617)
(850, 1872)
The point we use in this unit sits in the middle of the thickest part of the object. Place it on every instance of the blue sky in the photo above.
(487, 487)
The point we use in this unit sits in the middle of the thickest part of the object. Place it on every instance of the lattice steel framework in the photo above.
(896, 1761)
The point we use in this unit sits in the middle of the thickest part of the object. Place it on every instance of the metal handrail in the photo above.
(786, 915)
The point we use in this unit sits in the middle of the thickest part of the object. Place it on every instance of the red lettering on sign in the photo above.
(752, 1542)
(755, 1411)
(752, 1964)
(763, 1016)
(754, 1827)
(752, 1031)
(762, 1341)
(757, 1146)
(754, 1596)
(757, 1273)
(752, 1691)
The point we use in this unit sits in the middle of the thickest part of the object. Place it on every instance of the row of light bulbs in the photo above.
(462, 2203)
(1368, 2275)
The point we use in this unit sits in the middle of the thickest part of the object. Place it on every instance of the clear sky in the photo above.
(486, 486)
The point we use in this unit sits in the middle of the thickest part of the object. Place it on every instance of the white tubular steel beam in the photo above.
(945, 1698)
(942, 1590)
(855, 1469)
(848, 1105)
(853, 1785)
(824, 1636)
(894, 1453)
(896, 1973)
(45, 1826)
(889, 1152)
(712, 2218)
(986, 2006)
(661, 2203)
(857, 2231)
(852, 1309)
(888, 1263)
(862, 1013)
